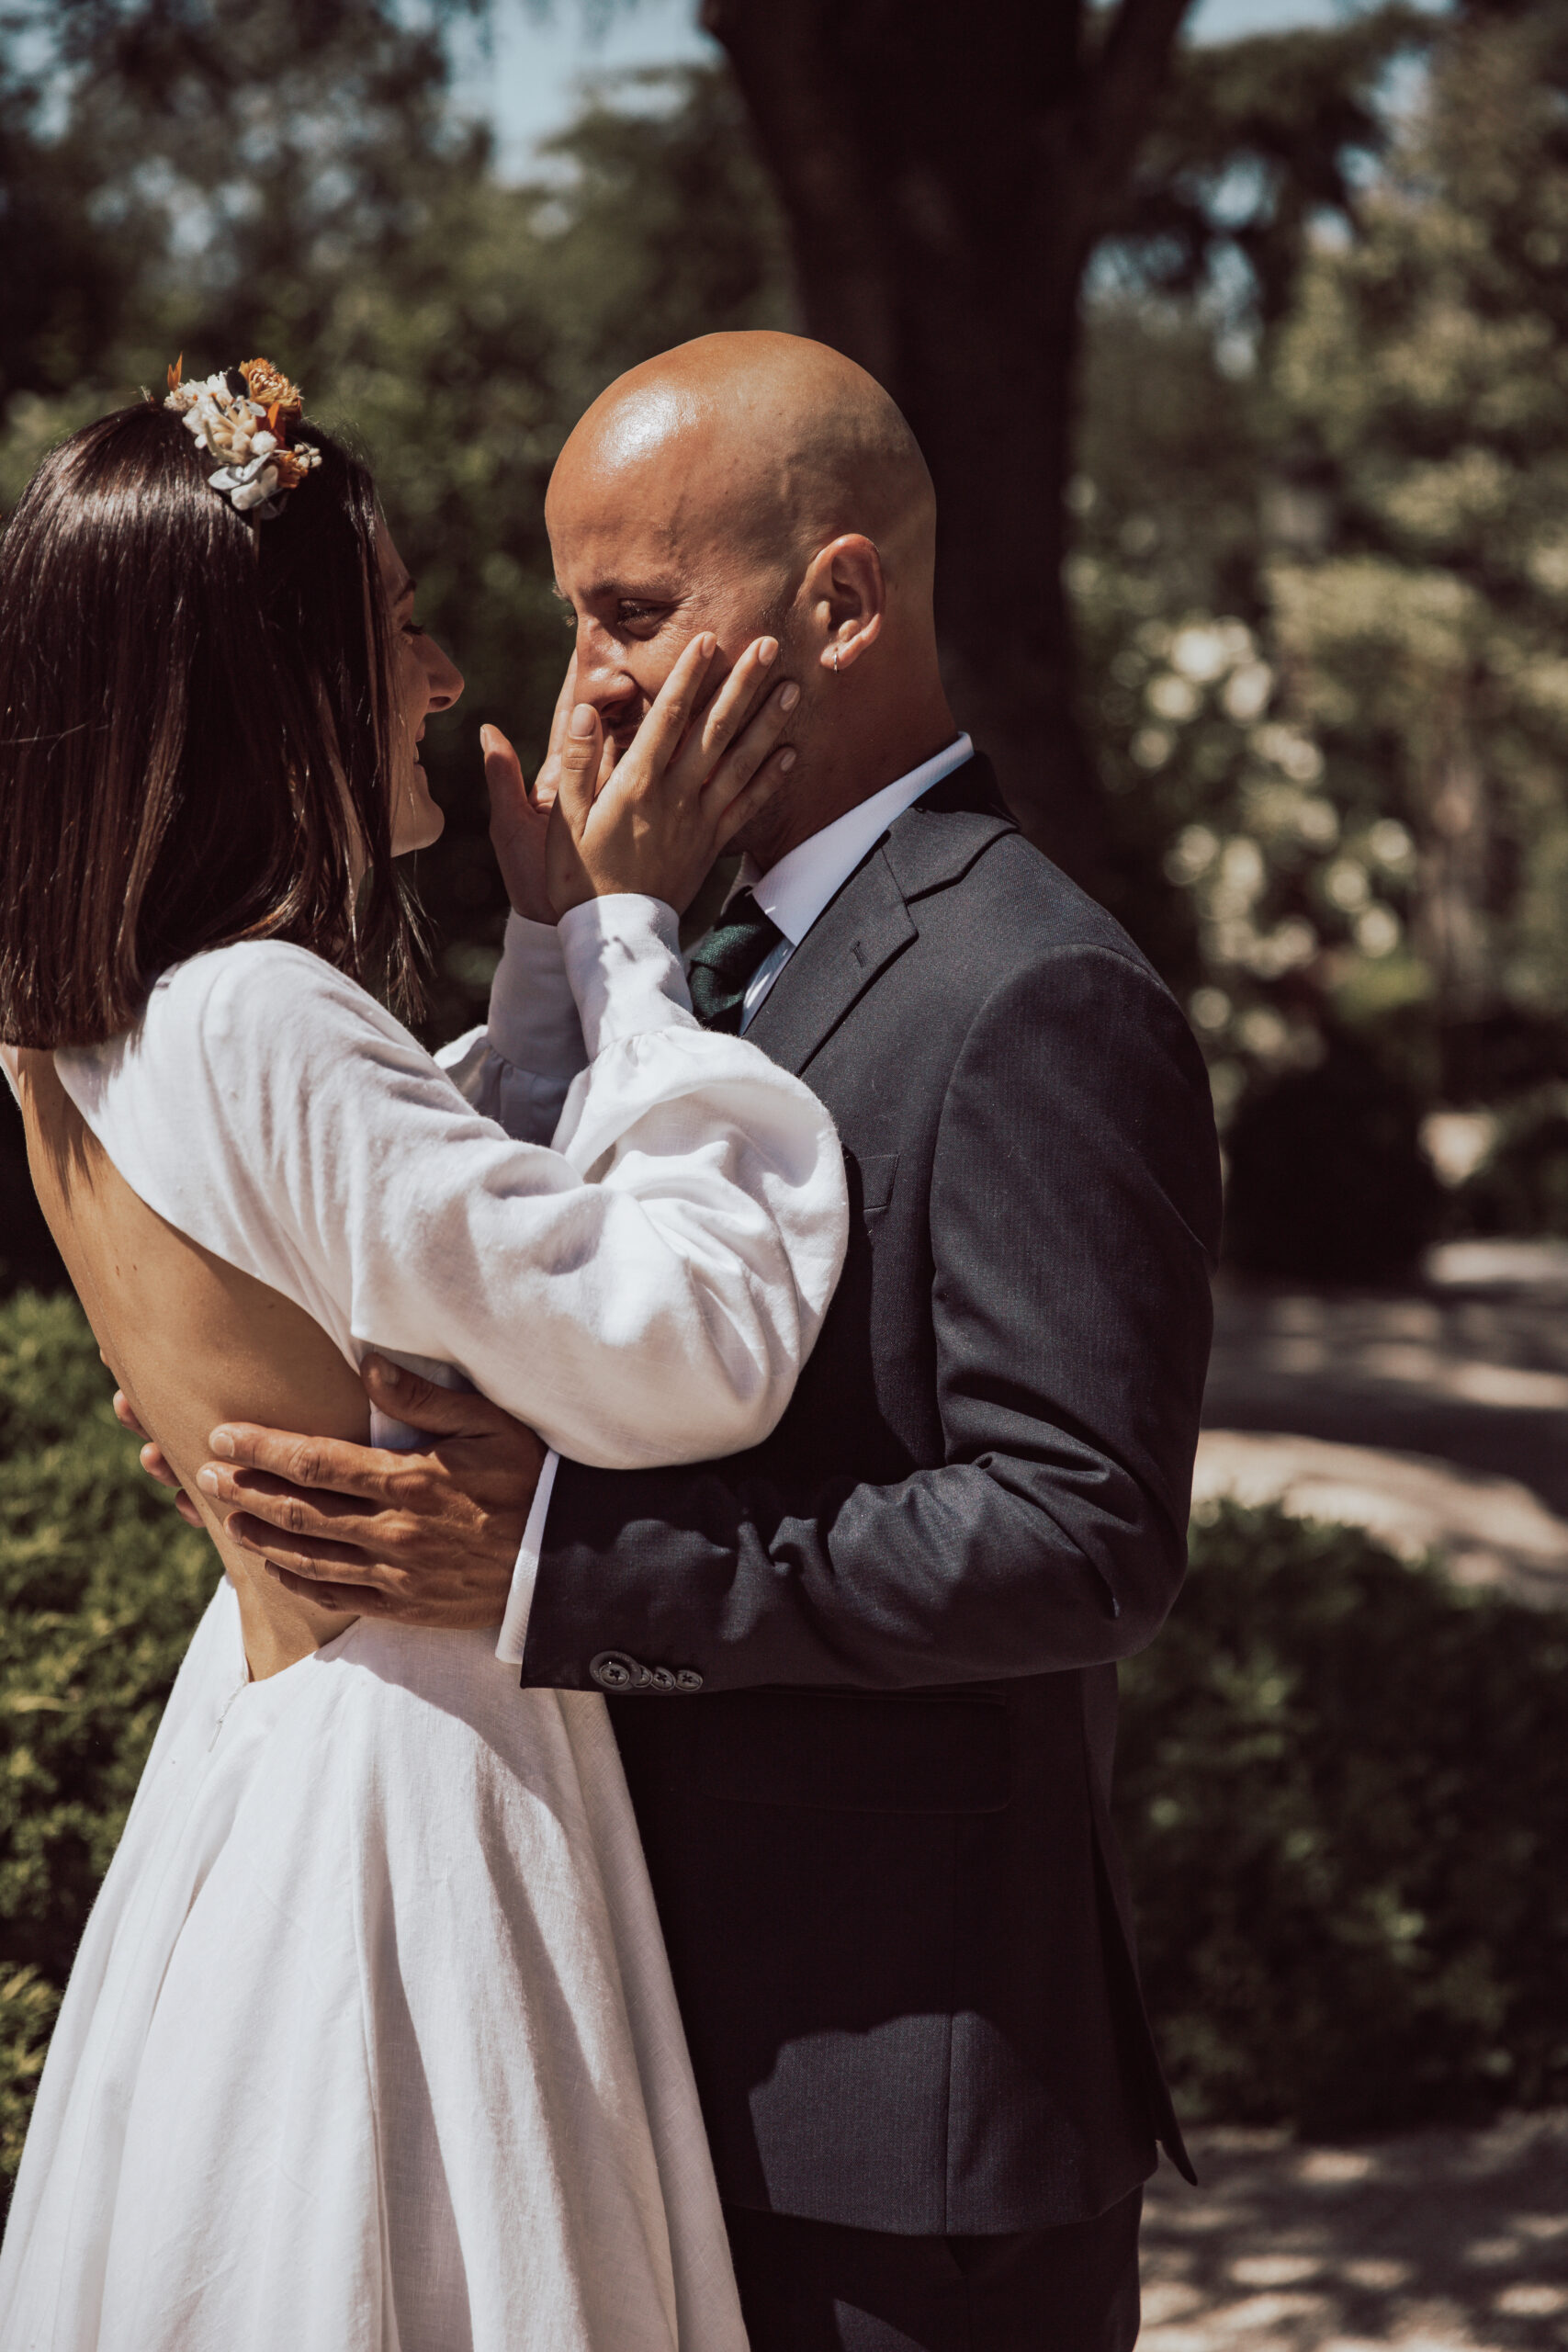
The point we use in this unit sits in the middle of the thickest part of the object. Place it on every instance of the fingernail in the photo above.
(709, 643)
(582, 719)
(768, 651)
(789, 697)
(786, 759)
(389, 1375)
(206, 1479)
(222, 1445)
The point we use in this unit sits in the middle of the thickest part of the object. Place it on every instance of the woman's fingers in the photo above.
(503, 774)
(745, 756)
(548, 781)
(581, 750)
(518, 827)
(671, 714)
(728, 821)
(735, 700)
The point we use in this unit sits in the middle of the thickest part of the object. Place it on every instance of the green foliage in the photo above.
(1342, 1785)
(1255, 140)
(1343, 1796)
(1331, 701)
(101, 1586)
(28, 2005)
(288, 176)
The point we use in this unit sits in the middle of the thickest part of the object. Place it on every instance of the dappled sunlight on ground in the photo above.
(1437, 2241)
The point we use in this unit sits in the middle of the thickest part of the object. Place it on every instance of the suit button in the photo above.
(614, 1670)
(661, 1679)
(688, 1678)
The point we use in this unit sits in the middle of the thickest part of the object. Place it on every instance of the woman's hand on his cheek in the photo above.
(519, 827)
(697, 768)
(519, 820)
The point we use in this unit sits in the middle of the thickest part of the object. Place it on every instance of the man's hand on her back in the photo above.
(429, 1538)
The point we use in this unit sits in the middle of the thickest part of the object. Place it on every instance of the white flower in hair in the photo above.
(249, 432)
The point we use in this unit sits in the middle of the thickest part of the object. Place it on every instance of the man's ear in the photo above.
(846, 596)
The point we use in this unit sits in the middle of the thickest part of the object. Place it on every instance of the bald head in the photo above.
(750, 484)
(765, 437)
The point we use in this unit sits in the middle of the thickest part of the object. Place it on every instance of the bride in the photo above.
(371, 2041)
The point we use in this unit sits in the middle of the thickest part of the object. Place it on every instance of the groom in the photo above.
(863, 1678)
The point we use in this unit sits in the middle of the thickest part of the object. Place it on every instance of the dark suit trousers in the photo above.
(814, 2286)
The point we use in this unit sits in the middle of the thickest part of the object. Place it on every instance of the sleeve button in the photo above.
(688, 1678)
(614, 1670)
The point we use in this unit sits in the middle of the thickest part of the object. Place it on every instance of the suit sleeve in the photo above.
(1074, 1214)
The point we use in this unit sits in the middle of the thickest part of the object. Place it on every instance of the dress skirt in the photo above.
(370, 2045)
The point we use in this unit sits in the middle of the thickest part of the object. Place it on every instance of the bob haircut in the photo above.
(196, 723)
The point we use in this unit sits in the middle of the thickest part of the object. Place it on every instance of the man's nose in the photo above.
(603, 678)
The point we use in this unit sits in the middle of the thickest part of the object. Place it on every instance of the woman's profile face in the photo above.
(423, 680)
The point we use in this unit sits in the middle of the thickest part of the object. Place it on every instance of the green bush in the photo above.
(1343, 1785)
(1343, 1790)
(101, 1586)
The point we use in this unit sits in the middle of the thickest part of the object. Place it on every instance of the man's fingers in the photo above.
(188, 1511)
(405, 1395)
(365, 1601)
(156, 1464)
(313, 1556)
(125, 1411)
(351, 1600)
(366, 1471)
(297, 1510)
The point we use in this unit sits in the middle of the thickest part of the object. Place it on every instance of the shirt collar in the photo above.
(795, 892)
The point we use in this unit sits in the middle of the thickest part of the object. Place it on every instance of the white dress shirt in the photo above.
(792, 894)
(798, 888)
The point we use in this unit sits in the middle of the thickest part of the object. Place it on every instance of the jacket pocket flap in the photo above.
(875, 1172)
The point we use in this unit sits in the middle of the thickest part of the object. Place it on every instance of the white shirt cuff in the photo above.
(533, 1012)
(623, 959)
(514, 1637)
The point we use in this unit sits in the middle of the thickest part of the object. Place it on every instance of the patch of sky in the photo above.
(526, 67)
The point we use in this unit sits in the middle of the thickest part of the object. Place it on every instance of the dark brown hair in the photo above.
(195, 716)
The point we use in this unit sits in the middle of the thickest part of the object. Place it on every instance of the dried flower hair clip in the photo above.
(244, 417)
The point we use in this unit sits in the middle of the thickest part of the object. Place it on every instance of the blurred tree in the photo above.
(1253, 146)
(946, 174)
(1425, 376)
(289, 177)
(1322, 586)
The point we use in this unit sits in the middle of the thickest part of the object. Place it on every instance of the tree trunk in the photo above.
(945, 170)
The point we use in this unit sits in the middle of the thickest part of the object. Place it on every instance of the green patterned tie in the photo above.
(724, 960)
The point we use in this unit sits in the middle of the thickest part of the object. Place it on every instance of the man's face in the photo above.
(644, 566)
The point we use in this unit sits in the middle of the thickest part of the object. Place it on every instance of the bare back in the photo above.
(190, 1339)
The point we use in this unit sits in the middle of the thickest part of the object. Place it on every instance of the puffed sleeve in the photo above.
(645, 1291)
(517, 1069)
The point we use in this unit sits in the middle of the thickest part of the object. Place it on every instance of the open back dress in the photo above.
(370, 2044)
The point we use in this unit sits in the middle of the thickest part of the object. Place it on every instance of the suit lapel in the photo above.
(934, 842)
(857, 937)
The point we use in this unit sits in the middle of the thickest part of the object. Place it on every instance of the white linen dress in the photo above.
(370, 2044)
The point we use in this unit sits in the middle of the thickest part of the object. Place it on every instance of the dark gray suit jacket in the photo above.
(878, 1832)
